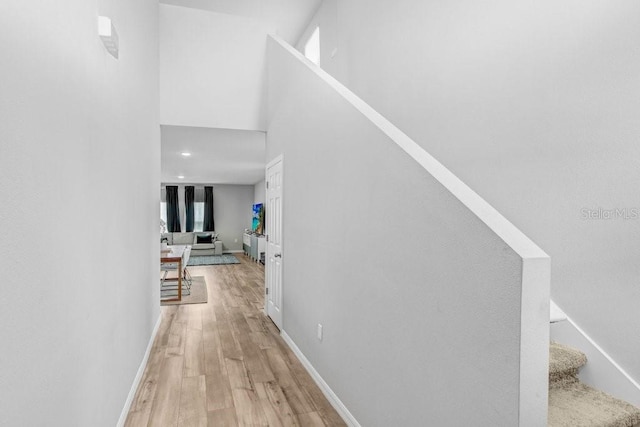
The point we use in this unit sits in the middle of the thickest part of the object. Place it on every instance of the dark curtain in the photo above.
(173, 210)
(208, 225)
(188, 207)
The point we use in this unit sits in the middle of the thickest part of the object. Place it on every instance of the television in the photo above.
(257, 224)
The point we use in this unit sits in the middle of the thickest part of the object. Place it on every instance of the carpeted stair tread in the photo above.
(578, 405)
(564, 363)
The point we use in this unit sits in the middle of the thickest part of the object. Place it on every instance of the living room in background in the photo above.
(232, 210)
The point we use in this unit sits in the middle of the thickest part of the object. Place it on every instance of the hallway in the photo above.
(224, 363)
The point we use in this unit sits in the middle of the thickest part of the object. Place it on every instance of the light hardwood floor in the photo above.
(224, 363)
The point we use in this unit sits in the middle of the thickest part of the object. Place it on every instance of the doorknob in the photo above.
(277, 256)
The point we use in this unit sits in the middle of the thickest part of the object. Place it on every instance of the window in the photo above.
(163, 214)
(312, 48)
(198, 208)
(198, 216)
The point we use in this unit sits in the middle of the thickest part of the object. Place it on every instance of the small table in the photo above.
(174, 254)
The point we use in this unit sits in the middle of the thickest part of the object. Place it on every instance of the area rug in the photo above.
(198, 293)
(213, 260)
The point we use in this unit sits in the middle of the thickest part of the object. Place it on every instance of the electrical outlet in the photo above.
(235, 240)
(320, 331)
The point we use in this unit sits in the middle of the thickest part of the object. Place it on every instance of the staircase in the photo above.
(573, 403)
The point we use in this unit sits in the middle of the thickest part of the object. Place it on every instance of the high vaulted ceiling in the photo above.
(289, 16)
(212, 80)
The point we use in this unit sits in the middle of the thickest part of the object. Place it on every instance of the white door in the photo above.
(273, 219)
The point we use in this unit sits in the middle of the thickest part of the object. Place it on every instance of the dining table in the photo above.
(174, 254)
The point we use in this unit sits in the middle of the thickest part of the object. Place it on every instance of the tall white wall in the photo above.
(80, 156)
(212, 69)
(534, 105)
(259, 192)
(233, 213)
(425, 308)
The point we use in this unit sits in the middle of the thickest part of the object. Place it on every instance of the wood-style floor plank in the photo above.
(223, 418)
(224, 363)
(219, 391)
(311, 419)
(193, 401)
(270, 414)
(177, 338)
(279, 403)
(193, 353)
(143, 402)
(213, 355)
(166, 403)
(238, 375)
(248, 408)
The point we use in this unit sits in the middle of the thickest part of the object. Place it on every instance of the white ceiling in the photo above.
(290, 17)
(218, 156)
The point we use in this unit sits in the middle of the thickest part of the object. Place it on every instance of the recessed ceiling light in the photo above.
(185, 154)
(180, 176)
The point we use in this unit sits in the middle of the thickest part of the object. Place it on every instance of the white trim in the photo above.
(324, 387)
(138, 378)
(233, 251)
(601, 370)
(278, 158)
(534, 338)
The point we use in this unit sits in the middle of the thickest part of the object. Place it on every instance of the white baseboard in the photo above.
(326, 390)
(601, 371)
(138, 378)
(234, 251)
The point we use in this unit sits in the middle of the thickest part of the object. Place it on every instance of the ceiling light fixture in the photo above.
(180, 176)
(185, 154)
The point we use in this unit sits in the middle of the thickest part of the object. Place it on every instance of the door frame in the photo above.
(278, 158)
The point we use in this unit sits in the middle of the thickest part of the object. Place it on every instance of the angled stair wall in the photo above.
(414, 277)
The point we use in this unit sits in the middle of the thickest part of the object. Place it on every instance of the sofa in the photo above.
(198, 241)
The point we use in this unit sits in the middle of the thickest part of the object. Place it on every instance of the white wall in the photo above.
(259, 192)
(432, 323)
(212, 69)
(80, 157)
(512, 96)
(231, 211)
